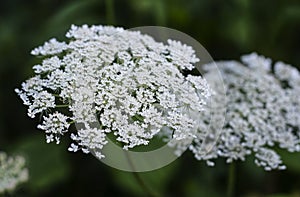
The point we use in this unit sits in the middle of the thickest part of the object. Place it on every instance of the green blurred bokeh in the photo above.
(226, 29)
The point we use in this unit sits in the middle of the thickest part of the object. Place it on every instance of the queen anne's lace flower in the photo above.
(50, 48)
(12, 172)
(263, 110)
(130, 84)
(54, 126)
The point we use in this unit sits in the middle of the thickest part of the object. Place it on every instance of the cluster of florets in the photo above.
(108, 80)
(263, 111)
(124, 82)
(12, 172)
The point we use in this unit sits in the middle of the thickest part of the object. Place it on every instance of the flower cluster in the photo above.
(263, 111)
(111, 80)
(12, 172)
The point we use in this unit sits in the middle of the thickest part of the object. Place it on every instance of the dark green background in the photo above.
(226, 29)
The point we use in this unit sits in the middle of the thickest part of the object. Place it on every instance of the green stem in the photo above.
(138, 178)
(60, 106)
(231, 180)
(56, 95)
(110, 14)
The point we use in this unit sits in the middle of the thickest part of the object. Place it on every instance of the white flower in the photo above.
(12, 172)
(89, 139)
(256, 61)
(42, 101)
(48, 65)
(180, 52)
(268, 159)
(262, 111)
(50, 48)
(110, 80)
(54, 126)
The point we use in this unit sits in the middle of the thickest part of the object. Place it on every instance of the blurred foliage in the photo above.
(47, 164)
(227, 29)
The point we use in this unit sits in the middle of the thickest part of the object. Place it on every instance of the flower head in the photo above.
(12, 172)
(263, 111)
(124, 81)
